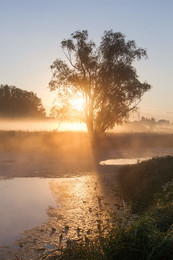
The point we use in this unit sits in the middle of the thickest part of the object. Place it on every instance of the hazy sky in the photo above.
(31, 32)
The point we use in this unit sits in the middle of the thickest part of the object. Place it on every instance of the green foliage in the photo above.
(15, 102)
(162, 208)
(139, 182)
(102, 75)
(140, 239)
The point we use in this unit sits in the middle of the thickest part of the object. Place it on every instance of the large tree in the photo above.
(103, 75)
(15, 102)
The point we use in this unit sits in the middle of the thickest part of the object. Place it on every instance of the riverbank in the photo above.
(145, 236)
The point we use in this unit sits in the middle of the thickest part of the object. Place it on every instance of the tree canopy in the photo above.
(15, 102)
(103, 75)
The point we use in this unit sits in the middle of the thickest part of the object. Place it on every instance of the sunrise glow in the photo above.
(77, 103)
(72, 127)
(86, 129)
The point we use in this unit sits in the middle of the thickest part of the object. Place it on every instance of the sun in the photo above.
(78, 103)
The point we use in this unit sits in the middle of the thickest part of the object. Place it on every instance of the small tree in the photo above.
(103, 76)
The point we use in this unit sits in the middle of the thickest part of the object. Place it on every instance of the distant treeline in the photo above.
(15, 102)
(151, 123)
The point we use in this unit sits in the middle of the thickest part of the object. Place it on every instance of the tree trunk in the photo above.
(90, 128)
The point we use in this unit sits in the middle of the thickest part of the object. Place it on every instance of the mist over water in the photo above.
(23, 204)
(40, 125)
(73, 126)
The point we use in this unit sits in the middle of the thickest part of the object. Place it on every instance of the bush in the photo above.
(140, 182)
(162, 209)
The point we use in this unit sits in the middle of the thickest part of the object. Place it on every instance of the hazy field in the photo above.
(53, 154)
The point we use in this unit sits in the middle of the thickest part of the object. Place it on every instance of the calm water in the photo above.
(132, 156)
(23, 204)
(50, 211)
(123, 161)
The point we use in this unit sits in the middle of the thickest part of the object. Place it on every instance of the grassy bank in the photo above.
(140, 182)
(148, 236)
(140, 240)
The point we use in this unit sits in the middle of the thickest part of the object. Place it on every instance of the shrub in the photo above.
(139, 182)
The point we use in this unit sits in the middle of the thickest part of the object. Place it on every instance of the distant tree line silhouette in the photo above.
(152, 121)
(151, 124)
(15, 102)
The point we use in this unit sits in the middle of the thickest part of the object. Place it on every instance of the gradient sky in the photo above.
(31, 32)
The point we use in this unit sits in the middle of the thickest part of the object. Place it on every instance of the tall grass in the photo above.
(162, 208)
(140, 239)
(140, 182)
